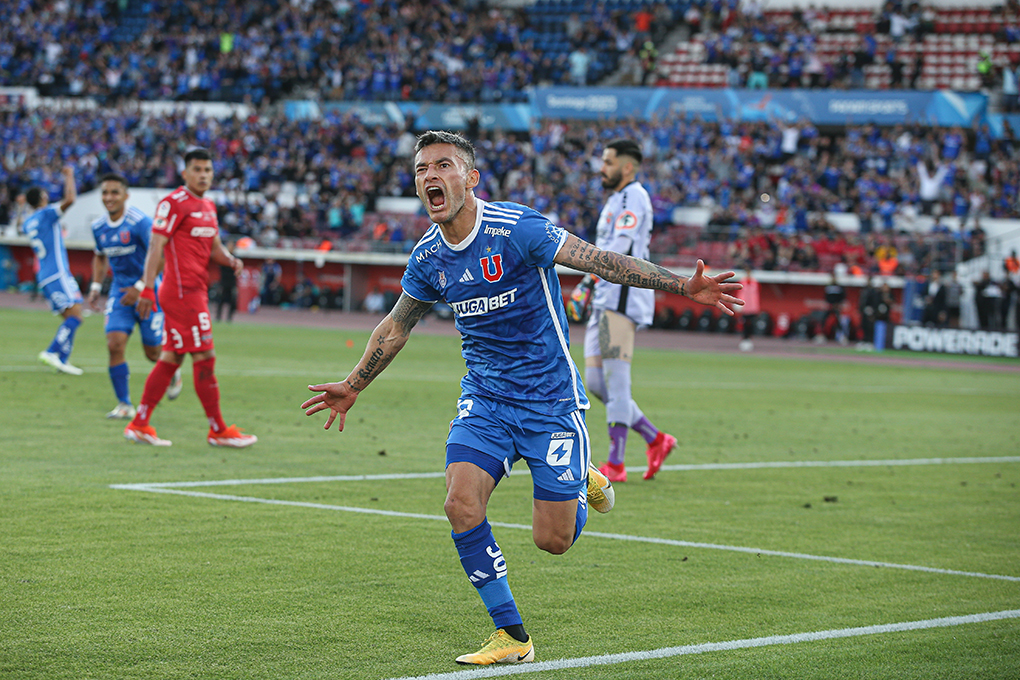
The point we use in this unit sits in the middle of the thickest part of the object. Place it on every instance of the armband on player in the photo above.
(95, 287)
(139, 285)
(579, 303)
(149, 294)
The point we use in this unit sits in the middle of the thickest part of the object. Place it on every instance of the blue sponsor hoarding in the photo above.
(821, 107)
(513, 117)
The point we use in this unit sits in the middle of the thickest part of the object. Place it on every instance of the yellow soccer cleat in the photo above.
(600, 490)
(500, 648)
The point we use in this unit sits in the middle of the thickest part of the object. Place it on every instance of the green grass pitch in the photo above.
(103, 582)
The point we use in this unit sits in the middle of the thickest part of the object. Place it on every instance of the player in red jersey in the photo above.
(186, 235)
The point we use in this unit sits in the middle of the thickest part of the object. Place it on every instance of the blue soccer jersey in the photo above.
(47, 239)
(502, 286)
(124, 242)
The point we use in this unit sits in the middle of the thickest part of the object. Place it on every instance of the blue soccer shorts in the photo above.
(494, 435)
(62, 292)
(122, 318)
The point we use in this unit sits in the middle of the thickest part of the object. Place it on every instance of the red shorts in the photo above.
(187, 326)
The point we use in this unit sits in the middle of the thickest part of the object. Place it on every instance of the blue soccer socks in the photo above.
(485, 567)
(63, 341)
(119, 375)
(582, 515)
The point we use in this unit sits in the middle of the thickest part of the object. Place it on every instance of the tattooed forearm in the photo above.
(377, 361)
(372, 364)
(389, 337)
(618, 268)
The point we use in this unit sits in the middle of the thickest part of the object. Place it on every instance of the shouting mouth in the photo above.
(436, 198)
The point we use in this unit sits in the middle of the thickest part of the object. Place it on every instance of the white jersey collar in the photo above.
(479, 206)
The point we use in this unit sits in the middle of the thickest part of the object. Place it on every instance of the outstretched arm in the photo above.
(631, 271)
(388, 338)
(70, 190)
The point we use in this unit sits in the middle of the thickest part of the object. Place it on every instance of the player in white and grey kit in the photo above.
(618, 310)
(522, 397)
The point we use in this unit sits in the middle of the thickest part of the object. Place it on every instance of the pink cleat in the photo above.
(614, 472)
(657, 452)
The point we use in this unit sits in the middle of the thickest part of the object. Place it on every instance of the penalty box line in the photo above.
(685, 650)
(595, 534)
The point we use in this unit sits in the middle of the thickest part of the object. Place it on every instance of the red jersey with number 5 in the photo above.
(191, 225)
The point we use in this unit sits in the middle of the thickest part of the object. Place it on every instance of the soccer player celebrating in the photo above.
(54, 276)
(122, 240)
(522, 397)
(618, 310)
(186, 235)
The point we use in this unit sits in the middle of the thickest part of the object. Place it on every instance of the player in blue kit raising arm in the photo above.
(522, 397)
(122, 239)
(54, 277)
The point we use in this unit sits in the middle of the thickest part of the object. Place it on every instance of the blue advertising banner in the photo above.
(997, 123)
(371, 113)
(822, 107)
(513, 117)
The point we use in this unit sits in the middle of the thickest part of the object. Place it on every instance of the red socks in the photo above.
(208, 391)
(155, 387)
(206, 387)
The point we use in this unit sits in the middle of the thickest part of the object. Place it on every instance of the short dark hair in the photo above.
(197, 154)
(34, 196)
(113, 177)
(626, 147)
(443, 137)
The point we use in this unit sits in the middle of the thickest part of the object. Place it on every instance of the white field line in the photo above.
(146, 486)
(836, 463)
(685, 650)
(797, 556)
(284, 372)
(180, 489)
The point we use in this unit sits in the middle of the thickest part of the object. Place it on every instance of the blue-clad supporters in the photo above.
(320, 178)
(122, 239)
(54, 275)
(369, 51)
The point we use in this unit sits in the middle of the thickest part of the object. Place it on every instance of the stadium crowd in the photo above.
(231, 50)
(298, 182)
(765, 51)
(382, 50)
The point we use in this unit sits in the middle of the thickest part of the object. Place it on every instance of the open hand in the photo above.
(337, 397)
(713, 290)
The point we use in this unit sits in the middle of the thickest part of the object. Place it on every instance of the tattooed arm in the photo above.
(631, 271)
(388, 338)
